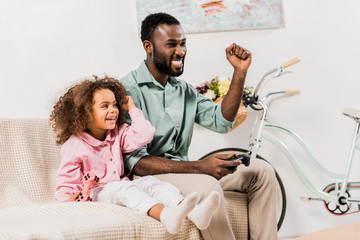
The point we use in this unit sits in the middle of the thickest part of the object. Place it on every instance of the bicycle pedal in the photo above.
(307, 199)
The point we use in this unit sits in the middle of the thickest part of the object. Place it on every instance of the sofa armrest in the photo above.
(237, 207)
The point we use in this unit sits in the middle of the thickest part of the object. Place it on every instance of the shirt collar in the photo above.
(147, 77)
(95, 142)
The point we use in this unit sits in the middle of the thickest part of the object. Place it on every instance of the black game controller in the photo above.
(244, 158)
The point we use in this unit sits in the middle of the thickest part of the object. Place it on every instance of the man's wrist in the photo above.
(239, 74)
(195, 166)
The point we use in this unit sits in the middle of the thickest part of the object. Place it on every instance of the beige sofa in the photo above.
(29, 160)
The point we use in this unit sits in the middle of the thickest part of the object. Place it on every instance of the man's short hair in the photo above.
(150, 23)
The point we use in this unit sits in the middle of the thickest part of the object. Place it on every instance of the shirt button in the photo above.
(110, 159)
(114, 172)
(177, 125)
(167, 109)
(105, 145)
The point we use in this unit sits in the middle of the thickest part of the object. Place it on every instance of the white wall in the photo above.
(47, 45)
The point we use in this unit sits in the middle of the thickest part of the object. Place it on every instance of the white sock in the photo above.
(202, 214)
(173, 217)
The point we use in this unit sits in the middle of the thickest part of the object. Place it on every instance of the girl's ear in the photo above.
(148, 46)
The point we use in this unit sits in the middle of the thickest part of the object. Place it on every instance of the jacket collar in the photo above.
(110, 137)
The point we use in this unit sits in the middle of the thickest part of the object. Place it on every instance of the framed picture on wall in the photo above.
(198, 16)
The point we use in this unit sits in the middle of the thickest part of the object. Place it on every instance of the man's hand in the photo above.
(215, 165)
(129, 105)
(239, 57)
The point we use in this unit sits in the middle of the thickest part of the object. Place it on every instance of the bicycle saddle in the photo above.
(352, 113)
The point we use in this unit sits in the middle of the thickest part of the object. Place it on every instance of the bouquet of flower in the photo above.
(217, 88)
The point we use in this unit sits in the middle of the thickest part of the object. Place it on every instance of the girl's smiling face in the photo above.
(105, 113)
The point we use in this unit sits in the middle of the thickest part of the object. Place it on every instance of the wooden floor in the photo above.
(344, 232)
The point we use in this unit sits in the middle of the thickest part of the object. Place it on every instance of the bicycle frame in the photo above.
(341, 186)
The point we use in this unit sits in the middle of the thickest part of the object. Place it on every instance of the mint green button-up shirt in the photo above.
(172, 109)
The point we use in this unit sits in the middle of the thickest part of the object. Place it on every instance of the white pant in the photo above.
(141, 194)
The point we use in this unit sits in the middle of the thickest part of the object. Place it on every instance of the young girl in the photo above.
(89, 123)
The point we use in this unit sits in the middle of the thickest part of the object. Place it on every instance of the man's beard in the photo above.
(161, 65)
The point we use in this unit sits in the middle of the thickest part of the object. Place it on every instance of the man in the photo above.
(173, 106)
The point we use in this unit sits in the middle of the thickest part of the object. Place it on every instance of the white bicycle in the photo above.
(336, 195)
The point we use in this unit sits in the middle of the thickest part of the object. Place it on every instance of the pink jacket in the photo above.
(82, 153)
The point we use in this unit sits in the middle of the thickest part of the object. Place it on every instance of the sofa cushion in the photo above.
(84, 220)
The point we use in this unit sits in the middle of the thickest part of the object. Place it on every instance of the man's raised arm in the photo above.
(240, 59)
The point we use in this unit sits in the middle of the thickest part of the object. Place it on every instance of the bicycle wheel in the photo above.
(280, 190)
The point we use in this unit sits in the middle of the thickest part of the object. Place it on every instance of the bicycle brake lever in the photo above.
(281, 72)
(254, 108)
(251, 101)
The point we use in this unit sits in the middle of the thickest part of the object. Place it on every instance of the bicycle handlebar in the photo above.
(278, 69)
(291, 92)
(289, 63)
(252, 100)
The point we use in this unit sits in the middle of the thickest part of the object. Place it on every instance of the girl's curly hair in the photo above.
(73, 111)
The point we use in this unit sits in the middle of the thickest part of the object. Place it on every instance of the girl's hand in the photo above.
(72, 199)
(129, 105)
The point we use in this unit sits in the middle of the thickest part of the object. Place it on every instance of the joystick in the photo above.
(244, 158)
(89, 181)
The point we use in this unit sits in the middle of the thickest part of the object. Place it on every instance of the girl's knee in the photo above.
(146, 181)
